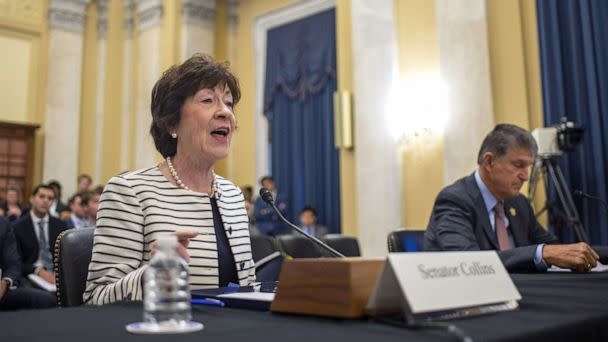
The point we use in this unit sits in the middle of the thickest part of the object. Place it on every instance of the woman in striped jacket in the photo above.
(193, 122)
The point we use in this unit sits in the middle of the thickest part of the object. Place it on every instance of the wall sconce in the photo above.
(418, 107)
(343, 120)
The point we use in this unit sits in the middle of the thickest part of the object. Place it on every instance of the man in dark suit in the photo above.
(36, 233)
(485, 211)
(308, 223)
(13, 297)
(58, 208)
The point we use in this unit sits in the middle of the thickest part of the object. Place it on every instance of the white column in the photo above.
(125, 136)
(102, 29)
(465, 66)
(198, 18)
(233, 25)
(62, 115)
(149, 14)
(377, 159)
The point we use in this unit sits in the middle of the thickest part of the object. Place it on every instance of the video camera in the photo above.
(563, 137)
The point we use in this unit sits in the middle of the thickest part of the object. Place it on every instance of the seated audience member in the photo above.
(78, 218)
(12, 207)
(12, 295)
(84, 182)
(485, 211)
(308, 223)
(90, 204)
(36, 234)
(58, 208)
(266, 219)
(193, 122)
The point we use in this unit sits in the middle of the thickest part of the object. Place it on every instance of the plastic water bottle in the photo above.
(166, 289)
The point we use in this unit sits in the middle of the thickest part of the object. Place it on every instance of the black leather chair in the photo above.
(262, 246)
(298, 246)
(402, 240)
(73, 249)
(347, 245)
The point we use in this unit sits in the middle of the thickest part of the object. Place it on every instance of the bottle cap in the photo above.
(167, 242)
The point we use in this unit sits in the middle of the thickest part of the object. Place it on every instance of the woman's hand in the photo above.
(183, 239)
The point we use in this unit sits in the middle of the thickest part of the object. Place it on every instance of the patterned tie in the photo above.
(501, 227)
(45, 253)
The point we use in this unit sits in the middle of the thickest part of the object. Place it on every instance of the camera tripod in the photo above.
(547, 165)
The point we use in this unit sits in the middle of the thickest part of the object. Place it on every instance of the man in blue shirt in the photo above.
(486, 211)
(266, 220)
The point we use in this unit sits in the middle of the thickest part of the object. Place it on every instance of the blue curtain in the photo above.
(298, 98)
(573, 37)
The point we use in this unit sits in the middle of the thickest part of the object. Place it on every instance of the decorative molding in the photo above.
(102, 18)
(27, 11)
(198, 12)
(129, 10)
(68, 15)
(149, 14)
(233, 18)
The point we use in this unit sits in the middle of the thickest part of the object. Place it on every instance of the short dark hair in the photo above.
(503, 137)
(86, 196)
(73, 198)
(265, 178)
(53, 183)
(310, 209)
(42, 186)
(176, 85)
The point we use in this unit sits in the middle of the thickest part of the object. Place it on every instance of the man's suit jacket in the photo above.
(460, 222)
(27, 242)
(9, 257)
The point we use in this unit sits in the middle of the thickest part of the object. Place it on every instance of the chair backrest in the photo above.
(347, 245)
(73, 249)
(262, 246)
(402, 240)
(298, 246)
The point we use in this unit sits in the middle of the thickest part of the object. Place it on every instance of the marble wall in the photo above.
(377, 162)
(464, 58)
(62, 114)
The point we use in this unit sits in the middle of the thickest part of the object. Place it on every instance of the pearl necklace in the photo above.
(179, 181)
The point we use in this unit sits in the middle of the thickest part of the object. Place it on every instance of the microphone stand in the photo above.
(595, 198)
(270, 200)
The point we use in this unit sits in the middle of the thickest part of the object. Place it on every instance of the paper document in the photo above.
(257, 296)
(41, 283)
(599, 268)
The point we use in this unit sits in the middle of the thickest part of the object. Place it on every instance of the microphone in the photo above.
(580, 193)
(267, 197)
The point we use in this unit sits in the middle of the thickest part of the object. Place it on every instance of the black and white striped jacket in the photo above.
(136, 207)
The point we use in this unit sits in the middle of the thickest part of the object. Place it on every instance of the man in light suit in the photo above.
(485, 211)
(36, 233)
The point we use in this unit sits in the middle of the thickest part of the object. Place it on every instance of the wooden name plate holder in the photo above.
(326, 287)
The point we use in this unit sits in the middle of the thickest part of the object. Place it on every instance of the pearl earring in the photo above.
(174, 135)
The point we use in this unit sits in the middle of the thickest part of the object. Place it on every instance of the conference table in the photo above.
(554, 307)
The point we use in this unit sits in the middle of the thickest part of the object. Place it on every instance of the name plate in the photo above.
(443, 285)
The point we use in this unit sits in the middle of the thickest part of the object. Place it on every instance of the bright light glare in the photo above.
(418, 104)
